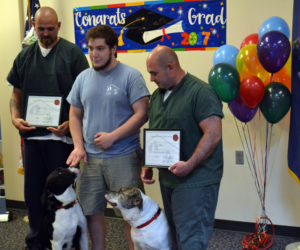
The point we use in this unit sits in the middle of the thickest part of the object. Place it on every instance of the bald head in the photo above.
(163, 66)
(164, 55)
(46, 13)
(46, 26)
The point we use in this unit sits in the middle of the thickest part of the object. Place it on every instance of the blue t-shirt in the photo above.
(106, 99)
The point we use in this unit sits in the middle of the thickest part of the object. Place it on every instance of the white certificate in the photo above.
(43, 111)
(161, 147)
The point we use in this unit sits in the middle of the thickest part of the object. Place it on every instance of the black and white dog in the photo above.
(65, 225)
(149, 227)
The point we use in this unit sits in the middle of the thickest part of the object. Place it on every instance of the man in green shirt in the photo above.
(48, 67)
(189, 187)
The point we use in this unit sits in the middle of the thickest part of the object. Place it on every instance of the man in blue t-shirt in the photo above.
(190, 186)
(108, 106)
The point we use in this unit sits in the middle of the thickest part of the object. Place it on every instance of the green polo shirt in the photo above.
(190, 102)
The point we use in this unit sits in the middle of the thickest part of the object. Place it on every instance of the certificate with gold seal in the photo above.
(161, 147)
(43, 111)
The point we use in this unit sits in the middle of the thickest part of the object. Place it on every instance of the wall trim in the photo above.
(219, 224)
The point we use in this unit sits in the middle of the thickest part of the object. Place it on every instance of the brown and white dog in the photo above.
(149, 227)
(64, 226)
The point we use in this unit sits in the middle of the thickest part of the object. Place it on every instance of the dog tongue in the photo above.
(112, 203)
(109, 202)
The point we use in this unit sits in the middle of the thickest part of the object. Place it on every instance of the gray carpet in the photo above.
(12, 235)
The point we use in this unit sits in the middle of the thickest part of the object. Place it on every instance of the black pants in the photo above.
(41, 157)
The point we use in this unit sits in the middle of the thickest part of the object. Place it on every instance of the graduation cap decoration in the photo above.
(145, 27)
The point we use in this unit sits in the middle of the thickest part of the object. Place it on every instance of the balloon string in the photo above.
(253, 172)
(261, 172)
(271, 78)
(257, 159)
(252, 156)
(273, 163)
(225, 112)
(247, 159)
(255, 156)
(267, 148)
(250, 150)
(241, 141)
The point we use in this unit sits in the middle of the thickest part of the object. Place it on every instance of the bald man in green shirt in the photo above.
(189, 187)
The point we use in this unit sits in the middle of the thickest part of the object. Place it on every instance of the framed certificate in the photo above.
(43, 111)
(161, 147)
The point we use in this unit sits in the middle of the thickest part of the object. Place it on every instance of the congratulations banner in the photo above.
(179, 24)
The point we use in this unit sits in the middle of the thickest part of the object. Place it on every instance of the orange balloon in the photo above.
(281, 76)
(248, 64)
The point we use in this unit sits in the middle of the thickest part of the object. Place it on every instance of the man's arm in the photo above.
(75, 123)
(15, 111)
(212, 134)
(131, 126)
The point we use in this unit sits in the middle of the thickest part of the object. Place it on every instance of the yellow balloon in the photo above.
(248, 64)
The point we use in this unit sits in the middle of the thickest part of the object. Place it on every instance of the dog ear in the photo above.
(138, 201)
(45, 196)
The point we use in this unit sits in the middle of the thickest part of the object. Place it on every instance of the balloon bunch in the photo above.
(256, 77)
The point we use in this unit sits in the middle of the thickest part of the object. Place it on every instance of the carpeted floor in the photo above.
(12, 235)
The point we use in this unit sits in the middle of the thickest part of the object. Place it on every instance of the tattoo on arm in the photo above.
(13, 104)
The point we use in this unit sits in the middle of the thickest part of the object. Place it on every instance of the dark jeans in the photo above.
(190, 213)
(40, 157)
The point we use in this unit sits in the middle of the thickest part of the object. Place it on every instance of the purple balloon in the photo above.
(241, 111)
(273, 51)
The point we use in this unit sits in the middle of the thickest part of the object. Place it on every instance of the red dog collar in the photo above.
(67, 206)
(152, 219)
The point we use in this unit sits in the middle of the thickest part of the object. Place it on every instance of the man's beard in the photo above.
(48, 41)
(104, 66)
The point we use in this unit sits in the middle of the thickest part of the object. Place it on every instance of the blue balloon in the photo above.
(226, 54)
(274, 23)
(273, 51)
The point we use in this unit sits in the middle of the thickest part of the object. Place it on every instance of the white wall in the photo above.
(238, 198)
(11, 29)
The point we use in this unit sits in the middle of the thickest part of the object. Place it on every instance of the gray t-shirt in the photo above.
(107, 99)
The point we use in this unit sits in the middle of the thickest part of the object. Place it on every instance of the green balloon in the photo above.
(276, 102)
(225, 79)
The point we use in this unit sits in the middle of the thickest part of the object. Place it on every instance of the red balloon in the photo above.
(252, 91)
(251, 39)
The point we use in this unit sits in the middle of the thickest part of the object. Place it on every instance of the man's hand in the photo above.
(181, 168)
(147, 175)
(22, 125)
(61, 130)
(104, 140)
(76, 155)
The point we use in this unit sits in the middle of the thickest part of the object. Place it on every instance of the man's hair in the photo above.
(105, 32)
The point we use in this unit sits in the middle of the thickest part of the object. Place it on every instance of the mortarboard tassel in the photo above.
(120, 38)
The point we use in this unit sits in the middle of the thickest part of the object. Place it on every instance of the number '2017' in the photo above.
(192, 38)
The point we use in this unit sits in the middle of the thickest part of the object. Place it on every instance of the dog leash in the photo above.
(152, 219)
(67, 206)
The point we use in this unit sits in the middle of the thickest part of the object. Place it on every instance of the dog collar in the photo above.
(67, 206)
(152, 219)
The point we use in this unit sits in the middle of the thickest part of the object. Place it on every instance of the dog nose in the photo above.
(74, 170)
